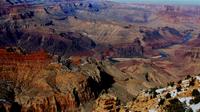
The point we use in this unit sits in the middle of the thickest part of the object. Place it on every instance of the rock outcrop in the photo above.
(107, 103)
(181, 96)
(33, 82)
(175, 97)
(134, 49)
(63, 44)
(162, 38)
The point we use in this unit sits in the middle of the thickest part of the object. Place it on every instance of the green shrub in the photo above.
(170, 84)
(188, 110)
(179, 82)
(192, 82)
(2, 108)
(161, 102)
(147, 76)
(153, 92)
(195, 92)
(178, 88)
(195, 100)
(175, 106)
(188, 76)
(168, 95)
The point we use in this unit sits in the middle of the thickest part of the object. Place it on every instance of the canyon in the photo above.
(83, 55)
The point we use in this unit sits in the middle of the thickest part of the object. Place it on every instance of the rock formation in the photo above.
(35, 83)
(107, 103)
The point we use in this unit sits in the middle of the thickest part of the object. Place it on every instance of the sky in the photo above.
(179, 2)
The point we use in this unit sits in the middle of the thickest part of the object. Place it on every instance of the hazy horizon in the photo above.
(177, 2)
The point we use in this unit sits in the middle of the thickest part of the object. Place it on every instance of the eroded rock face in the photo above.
(63, 44)
(135, 49)
(36, 84)
(162, 38)
(179, 14)
(107, 103)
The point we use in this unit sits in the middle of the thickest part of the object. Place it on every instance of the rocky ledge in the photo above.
(34, 82)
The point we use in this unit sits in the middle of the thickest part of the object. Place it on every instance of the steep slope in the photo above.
(33, 82)
(177, 97)
(63, 44)
(143, 74)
